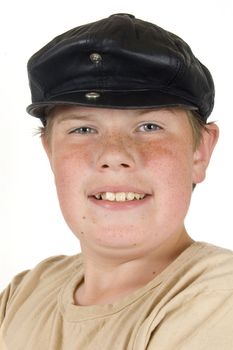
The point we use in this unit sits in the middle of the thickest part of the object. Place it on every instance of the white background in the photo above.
(31, 225)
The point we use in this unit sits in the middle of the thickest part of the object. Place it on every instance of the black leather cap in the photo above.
(119, 62)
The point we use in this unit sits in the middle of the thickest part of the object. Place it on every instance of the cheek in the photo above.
(170, 167)
(68, 163)
(70, 169)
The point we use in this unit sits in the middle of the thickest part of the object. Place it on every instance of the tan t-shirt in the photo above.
(188, 306)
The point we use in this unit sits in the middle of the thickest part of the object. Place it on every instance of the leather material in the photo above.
(125, 62)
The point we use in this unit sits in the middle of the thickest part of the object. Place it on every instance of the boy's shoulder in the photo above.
(56, 269)
(58, 264)
(197, 293)
(203, 267)
(204, 250)
(211, 255)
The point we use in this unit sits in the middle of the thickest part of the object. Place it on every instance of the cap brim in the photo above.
(142, 99)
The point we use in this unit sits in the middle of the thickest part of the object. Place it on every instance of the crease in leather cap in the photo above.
(119, 62)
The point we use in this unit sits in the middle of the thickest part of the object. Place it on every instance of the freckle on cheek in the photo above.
(154, 152)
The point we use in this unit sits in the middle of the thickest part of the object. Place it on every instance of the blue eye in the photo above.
(148, 127)
(83, 130)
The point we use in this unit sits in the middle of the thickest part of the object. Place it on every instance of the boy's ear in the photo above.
(204, 151)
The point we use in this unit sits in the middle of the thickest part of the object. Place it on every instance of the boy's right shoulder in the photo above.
(58, 264)
(55, 270)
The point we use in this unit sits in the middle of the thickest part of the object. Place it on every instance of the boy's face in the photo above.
(149, 152)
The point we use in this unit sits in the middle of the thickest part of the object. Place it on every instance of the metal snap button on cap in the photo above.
(123, 14)
(92, 95)
(95, 58)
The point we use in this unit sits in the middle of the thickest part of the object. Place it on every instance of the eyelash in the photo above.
(77, 130)
(93, 131)
(157, 127)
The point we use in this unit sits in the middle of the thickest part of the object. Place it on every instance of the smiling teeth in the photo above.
(119, 196)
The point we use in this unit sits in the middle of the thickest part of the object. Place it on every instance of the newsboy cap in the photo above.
(119, 62)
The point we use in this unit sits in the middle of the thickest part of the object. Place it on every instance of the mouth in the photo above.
(119, 196)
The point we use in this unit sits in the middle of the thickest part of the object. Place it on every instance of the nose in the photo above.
(115, 154)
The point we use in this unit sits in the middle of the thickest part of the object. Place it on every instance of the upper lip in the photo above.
(115, 189)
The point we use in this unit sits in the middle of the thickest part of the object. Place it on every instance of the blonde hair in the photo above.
(197, 126)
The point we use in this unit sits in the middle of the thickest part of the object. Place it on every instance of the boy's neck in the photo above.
(105, 282)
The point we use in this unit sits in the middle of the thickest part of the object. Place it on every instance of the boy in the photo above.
(124, 106)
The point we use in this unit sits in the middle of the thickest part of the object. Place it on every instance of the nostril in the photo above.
(121, 164)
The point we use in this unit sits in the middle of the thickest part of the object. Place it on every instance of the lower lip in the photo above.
(114, 205)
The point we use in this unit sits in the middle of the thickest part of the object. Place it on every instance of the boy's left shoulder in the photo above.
(212, 267)
(197, 310)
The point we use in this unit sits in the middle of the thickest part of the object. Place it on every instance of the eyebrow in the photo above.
(73, 116)
(63, 118)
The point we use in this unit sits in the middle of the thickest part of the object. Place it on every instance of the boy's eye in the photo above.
(83, 130)
(149, 127)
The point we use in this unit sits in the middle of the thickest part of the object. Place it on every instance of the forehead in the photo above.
(61, 113)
